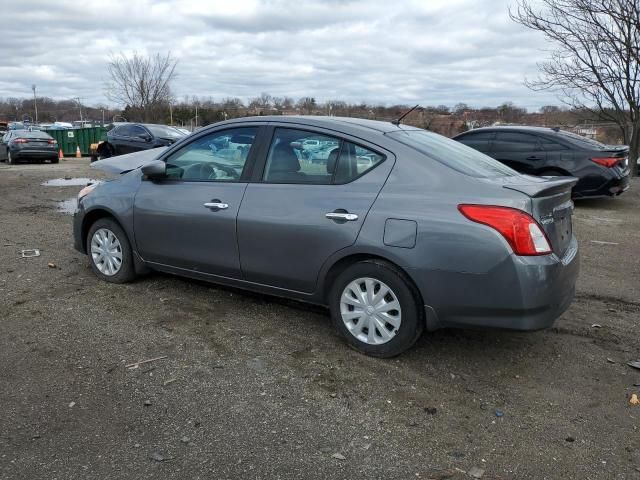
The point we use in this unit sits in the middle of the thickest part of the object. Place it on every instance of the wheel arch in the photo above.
(340, 264)
(92, 217)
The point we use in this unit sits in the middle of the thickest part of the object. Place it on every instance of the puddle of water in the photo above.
(68, 206)
(68, 182)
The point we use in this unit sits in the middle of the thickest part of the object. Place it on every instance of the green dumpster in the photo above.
(70, 139)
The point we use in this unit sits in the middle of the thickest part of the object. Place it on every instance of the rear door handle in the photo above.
(349, 217)
(217, 205)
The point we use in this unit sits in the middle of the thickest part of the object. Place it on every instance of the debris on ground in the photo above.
(570, 439)
(596, 325)
(185, 439)
(611, 360)
(71, 405)
(499, 413)
(338, 456)
(431, 410)
(51, 265)
(30, 252)
(475, 472)
(602, 242)
(169, 382)
(158, 457)
(133, 366)
(634, 399)
(635, 364)
(147, 403)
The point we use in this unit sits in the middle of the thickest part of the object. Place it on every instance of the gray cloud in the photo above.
(436, 52)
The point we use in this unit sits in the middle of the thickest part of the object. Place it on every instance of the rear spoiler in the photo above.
(552, 186)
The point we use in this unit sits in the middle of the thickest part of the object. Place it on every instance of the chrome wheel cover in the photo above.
(370, 310)
(106, 252)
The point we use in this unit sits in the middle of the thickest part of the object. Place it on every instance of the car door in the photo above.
(139, 139)
(297, 212)
(118, 137)
(520, 151)
(187, 221)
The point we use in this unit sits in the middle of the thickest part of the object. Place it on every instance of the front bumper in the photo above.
(522, 293)
(78, 240)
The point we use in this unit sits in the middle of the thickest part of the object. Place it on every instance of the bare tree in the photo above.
(597, 62)
(141, 82)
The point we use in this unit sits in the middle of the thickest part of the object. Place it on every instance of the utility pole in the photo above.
(35, 102)
(196, 115)
(77, 99)
(170, 114)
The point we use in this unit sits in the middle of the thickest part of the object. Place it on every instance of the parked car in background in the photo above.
(132, 137)
(28, 145)
(602, 170)
(402, 230)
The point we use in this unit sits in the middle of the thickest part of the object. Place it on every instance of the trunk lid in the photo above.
(551, 205)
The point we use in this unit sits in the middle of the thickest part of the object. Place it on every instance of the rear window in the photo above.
(580, 141)
(453, 154)
(36, 134)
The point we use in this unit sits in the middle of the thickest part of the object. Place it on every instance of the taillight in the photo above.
(608, 162)
(20, 140)
(520, 230)
(51, 141)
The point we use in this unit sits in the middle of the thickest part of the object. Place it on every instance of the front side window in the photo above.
(136, 131)
(298, 156)
(217, 157)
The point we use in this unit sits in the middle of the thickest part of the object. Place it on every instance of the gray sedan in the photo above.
(399, 231)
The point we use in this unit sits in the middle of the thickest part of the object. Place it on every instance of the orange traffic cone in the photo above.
(60, 154)
(78, 154)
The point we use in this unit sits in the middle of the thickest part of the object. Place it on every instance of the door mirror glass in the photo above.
(155, 169)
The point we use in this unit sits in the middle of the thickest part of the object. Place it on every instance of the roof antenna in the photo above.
(397, 121)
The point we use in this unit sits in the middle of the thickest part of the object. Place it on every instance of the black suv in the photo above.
(133, 137)
(602, 170)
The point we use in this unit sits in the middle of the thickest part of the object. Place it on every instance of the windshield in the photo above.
(453, 154)
(162, 131)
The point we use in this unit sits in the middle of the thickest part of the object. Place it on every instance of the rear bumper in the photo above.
(608, 186)
(522, 293)
(23, 153)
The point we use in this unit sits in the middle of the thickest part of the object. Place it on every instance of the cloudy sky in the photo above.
(424, 51)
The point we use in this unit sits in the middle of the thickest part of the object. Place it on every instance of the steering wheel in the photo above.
(226, 169)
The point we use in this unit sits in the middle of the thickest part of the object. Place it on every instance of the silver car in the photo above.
(399, 231)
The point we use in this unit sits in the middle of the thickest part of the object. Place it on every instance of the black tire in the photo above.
(10, 160)
(412, 315)
(55, 160)
(127, 272)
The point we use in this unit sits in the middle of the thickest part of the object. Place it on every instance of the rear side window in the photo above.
(299, 156)
(582, 142)
(480, 141)
(549, 145)
(515, 142)
(453, 154)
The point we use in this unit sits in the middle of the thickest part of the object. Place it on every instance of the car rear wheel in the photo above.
(10, 160)
(109, 252)
(376, 309)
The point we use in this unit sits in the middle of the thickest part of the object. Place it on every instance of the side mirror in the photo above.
(155, 169)
(145, 136)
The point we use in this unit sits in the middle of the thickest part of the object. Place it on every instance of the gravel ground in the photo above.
(259, 388)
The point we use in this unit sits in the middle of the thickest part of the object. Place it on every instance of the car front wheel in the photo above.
(109, 252)
(376, 309)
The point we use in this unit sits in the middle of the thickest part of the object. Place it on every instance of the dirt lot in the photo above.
(255, 387)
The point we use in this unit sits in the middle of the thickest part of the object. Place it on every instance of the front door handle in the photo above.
(349, 217)
(216, 205)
